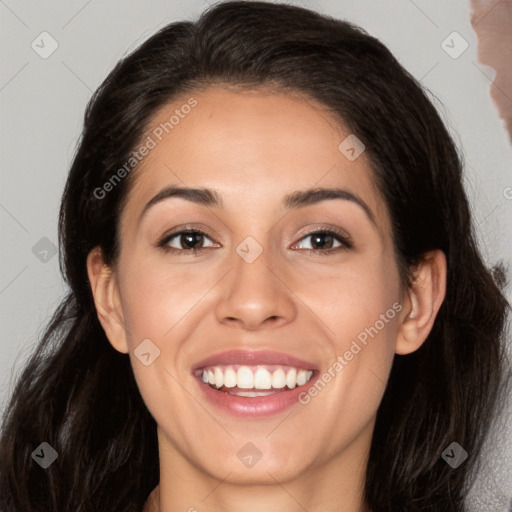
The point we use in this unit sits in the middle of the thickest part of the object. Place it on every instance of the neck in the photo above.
(336, 485)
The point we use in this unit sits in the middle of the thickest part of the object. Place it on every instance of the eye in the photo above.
(322, 241)
(189, 239)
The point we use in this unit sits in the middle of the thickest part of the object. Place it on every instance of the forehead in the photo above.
(253, 146)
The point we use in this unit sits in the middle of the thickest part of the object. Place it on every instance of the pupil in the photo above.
(319, 237)
(191, 236)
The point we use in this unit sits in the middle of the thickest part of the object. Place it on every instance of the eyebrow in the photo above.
(298, 199)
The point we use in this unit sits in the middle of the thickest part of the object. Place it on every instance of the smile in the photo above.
(239, 379)
(253, 383)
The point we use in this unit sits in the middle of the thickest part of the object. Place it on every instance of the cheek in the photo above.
(359, 308)
(158, 305)
(156, 296)
(355, 298)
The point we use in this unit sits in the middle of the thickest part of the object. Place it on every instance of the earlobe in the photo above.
(426, 294)
(106, 299)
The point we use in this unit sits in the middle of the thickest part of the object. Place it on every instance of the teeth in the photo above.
(302, 377)
(252, 393)
(219, 377)
(278, 379)
(262, 379)
(255, 377)
(230, 378)
(244, 378)
(291, 378)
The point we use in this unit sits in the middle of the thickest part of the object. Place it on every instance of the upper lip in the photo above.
(254, 357)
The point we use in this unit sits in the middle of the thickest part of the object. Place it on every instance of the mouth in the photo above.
(253, 384)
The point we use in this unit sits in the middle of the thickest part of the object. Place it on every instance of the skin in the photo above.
(492, 23)
(254, 148)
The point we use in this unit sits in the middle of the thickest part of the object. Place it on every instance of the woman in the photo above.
(276, 299)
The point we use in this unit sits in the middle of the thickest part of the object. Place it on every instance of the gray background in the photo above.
(43, 100)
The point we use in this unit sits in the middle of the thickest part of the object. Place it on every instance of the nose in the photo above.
(255, 295)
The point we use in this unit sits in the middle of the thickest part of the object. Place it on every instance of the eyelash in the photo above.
(346, 243)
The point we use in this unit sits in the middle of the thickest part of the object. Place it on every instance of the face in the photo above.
(287, 300)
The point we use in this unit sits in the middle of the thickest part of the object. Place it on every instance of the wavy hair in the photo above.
(79, 394)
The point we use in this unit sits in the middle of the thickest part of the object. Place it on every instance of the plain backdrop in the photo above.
(42, 103)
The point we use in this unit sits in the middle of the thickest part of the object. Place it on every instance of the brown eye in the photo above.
(323, 241)
(189, 240)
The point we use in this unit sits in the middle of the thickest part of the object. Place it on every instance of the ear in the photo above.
(106, 299)
(425, 297)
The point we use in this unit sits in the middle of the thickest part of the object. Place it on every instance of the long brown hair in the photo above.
(79, 395)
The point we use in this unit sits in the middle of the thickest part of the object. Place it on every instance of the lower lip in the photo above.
(257, 406)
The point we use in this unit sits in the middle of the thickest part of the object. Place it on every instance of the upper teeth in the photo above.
(255, 377)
